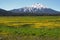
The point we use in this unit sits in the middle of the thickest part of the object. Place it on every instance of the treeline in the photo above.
(28, 14)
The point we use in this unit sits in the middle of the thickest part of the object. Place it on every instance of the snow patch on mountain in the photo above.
(38, 5)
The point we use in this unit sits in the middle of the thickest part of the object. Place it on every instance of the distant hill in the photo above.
(5, 13)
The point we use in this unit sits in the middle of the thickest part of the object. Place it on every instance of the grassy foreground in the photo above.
(30, 28)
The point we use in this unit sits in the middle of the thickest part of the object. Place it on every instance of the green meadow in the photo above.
(29, 27)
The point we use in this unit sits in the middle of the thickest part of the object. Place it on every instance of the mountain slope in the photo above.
(36, 9)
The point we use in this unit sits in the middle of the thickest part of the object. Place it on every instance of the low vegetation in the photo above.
(30, 28)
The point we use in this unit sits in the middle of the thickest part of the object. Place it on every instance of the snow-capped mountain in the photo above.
(36, 9)
(33, 8)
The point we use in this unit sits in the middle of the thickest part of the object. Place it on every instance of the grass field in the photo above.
(30, 28)
(49, 21)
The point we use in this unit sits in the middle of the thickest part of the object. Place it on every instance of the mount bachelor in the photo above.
(35, 10)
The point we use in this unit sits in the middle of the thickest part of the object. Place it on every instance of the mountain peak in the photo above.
(35, 9)
(38, 5)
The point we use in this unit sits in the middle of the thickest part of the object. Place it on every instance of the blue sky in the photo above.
(14, 4)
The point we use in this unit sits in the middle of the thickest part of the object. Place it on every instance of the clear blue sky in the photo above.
(14, 4)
